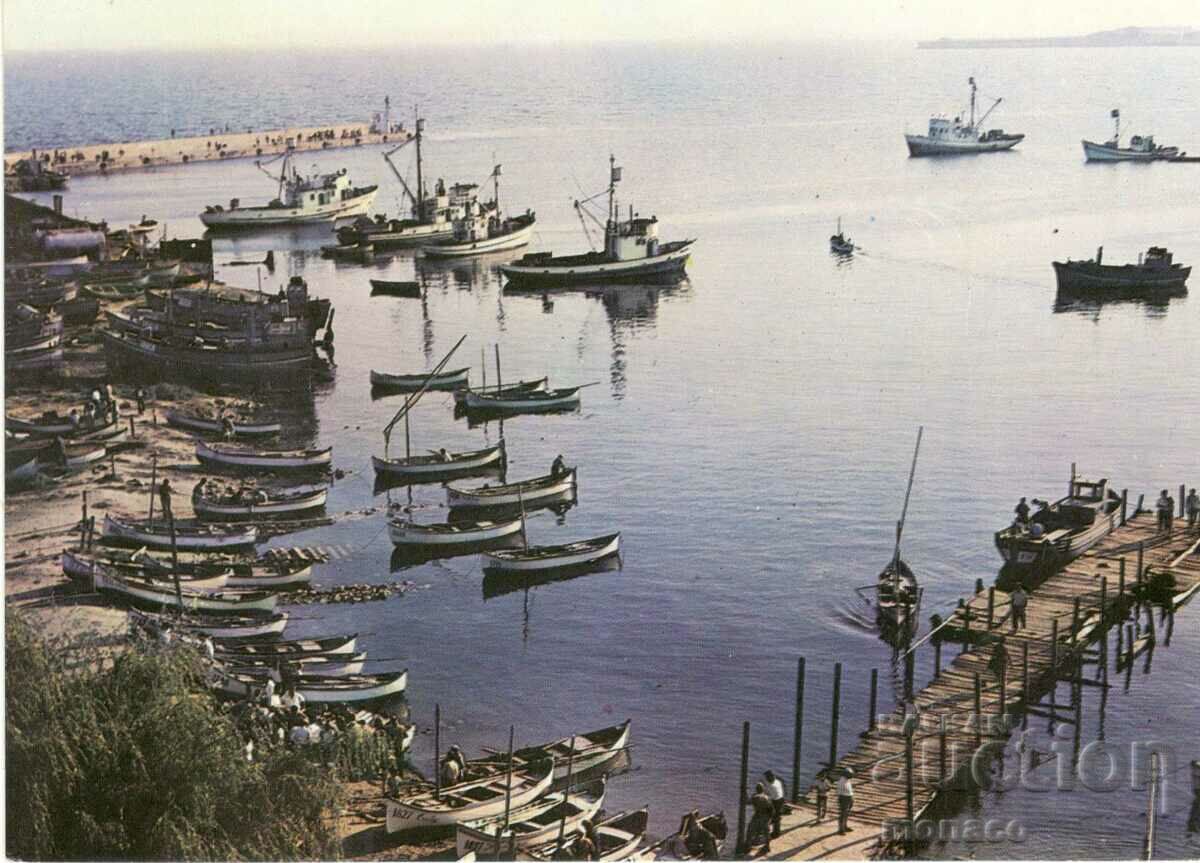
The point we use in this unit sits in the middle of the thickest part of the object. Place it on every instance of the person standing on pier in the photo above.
(821, 789)
(1193, 508)
(775, 795)
(759, 832)
(845, 794)
(1166, 511)
(1019, 600)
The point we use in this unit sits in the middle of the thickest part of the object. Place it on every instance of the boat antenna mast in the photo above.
(971, 81)
(420, 182)
(1116, 115)
(496, 187)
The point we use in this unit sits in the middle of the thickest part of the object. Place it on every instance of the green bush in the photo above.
(126, 755)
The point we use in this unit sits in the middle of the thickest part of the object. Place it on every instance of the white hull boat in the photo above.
(538, 401)
(242, 459)
(528, 492)
(956, 138)
(233, 651)
(532, 825)
(547, 557)
(286, 502)
(261, 577)
(460, 396)
(193, 601)
(191, 422)
(617, 838)
(432, 466)
(468, 801)
(335, 665)
(231, 626)
(452, 248)
(333, 690)
(83, 569)
(441, 535)
(451, 380)
(186, 539)
(1141, 147)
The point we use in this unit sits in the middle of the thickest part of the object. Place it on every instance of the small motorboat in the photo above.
(240, 458)
(543, 557)
(839, 243)
(1061, 531)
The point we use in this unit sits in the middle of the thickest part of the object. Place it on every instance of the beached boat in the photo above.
(337, 645)
(542, 557)
(450, 380)
(83, 569)
(443, 534)
(157, 595)
(460, 395)
(283, 502)
(1156, 270)
(484, 229)
(262, 574)
(529, 492)
(33, 359)
(239, 627)
(534, 824)
(468, 801)
(1141, 147)
(20, 472)
(322, 665)
(532, 401)
(617, 838)
(115, 291)
(238, 458)
(632, 252)
(51, 425)
(433, 467)
(187, 537)
(839, 243)
(955, 138)
(382, 287)
(208, 425)
(350, 689)
(1063, 530)
(302, 200)
(56, 452)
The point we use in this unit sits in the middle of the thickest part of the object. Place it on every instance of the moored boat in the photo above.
(350, 689)
(531, 401)
(532, 824)
(158, 596)
(433, 466)
(896, 596)
(954, 138)
(317, 665)
(451, 380)
(1156, 270)
(208, 425)
(1061, 531)
(448, 534)
(460, 395)
(337, 645)
(529, 492)
(287, 501)
(544, 557)
(839, 243)
(51, 425)
(467, 801)
(83, 569)
(262, 574)
(238, 627)
(239, 458)
(618, 837)
(591, 749)
(483, 229)
(1141, 147)
(685, 845)
(187, 537)
(382, 287)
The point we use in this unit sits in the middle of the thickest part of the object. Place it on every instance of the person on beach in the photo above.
(584, 847)
(1193, 508)
(775, 795)
(1022, 511)
(1166, 509)
(199, 489)
(820, 789)
(759, 832)
(845, 795)
(1019, 600)
(164, 498)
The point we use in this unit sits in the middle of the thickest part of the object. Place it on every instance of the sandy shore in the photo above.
(217, 147)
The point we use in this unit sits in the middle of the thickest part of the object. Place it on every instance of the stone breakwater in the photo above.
(215, 147)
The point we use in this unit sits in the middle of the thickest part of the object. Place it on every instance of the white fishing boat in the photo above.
(579, 752)
(433, 465)
(325, 665)
(484, 229)
(207, 425)
(632, 251)
(533, 824)
(187, 538)
(235, 626)
(468, 801)
(283, 502)
(533, 401)
(529, 492)
(83, 569)
(156, 596)
(262, 576)
(1141, 147)
(617, 838)
(302, 200)
(450, 380)
(50, 424)
(443, 534)
(349, 689)
(544, 557)
(1060, 532)
(337, 645)
(954, 137)
(239, 458)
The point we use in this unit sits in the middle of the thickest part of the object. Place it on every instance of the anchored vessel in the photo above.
(1141, 147)
(953, 137)
(839, 243)
(1154, 270)
(1063, 530)
(318, 198)
(483, 229)
(632, 251)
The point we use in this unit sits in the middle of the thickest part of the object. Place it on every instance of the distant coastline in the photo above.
(1126, 37)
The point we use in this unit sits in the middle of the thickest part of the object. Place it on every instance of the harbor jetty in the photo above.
(907, 764)
(217, 146)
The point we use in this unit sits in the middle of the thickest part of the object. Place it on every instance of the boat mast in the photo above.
(496, 188)
(612, 186)
(971, 81)
(420, 183)
(1116, 115)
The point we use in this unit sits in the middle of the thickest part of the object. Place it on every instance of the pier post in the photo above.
(741, 821)
(942, 747)
(175, 562)
(966, 631)
(131, 432)
(978, 710)
(874, 687)
(1182, 492)
(837, 704)
(1124, 504)
(937, 658)
(910, 659)
(1053, 656)
(908, 781)
(1003, 651)
(1152, 812)
(1121, 582)
(991, 607)
(83, 523)
(1141, 551)
(1024, 684)
(1075, 622)
(799, 731)
(978, 585)
(1104, 626)
(437, 752)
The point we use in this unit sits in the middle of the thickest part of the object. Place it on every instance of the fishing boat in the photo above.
(239, 458)
(381, 287)
(432, 216)
(530, 401)
(534, 824)
(81, 568)
(676, 846)
(114, 292)
(165, 595)
(472, 800)
(19, 472)
(953, 138)
(434, 467)
(543, 557)
(632, 250)
(451, 380)
(262, 574)
(315, 689)
(51, 425)
(617, 838)
(1156, 270)
(323, 665)
(208, 425)
(56, 452)
(529, 492)
(896, 592)
(186, 537)
(839, 243)
(33, 359)
(239, 627)
(338, 645)
(448, 534)
(484, 228)
(301, 200)
(1061, 531)
(591, 749)
(1141, 147)
(460, 395)
(287, 501)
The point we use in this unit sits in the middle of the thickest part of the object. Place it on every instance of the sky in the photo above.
(206, 25)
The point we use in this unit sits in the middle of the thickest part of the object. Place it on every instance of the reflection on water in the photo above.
(1154, 302)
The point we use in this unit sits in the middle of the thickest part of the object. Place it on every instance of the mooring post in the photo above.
(1121, 581)
(966, 631)
(1141, 551)
(1024, 684)
(978, 585)
(991, 608)
(741, 821)
(83, 523)
(1003, 652)
(910, 661)
(1182, 490)
(131, 431)
(1152, 811)
(874, 687)
(1075, 621)
(1053, 656)
(942, 747)
(908, 779)
(937, 658)
(978, 710)
(437, 752)
(836, 710)
(1104, 626)
(799, 731)
(1124, 504)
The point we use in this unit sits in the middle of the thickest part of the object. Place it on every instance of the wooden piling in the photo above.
(507, 786)
(871, 710)
(908, 779)
(437, 752)
(966, 642)
(1025, 701)
(910, 659)
(1124, 504)
(978, 585)
(836, 711)
(1002, 649)
(978, 710)
(1141, 552)
(131, 431)
(991, 607)
(741, 820)
(1053, 656)
(1152, 811)
(1074, 621)
(153, 477)
(175, 561)
(1182, 492)
(83, 522)
(798, 737)
(937, 658)
(1121, 581)
(942, 747)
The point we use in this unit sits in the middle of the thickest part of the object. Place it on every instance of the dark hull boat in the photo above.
(380, 287)
(1156, 270)
(897, 597)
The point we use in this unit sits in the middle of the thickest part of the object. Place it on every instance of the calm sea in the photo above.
(751, 431)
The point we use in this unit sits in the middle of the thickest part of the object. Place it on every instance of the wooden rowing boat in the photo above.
(187, 538)
(52, 425)
(592, 749)
(450, 380)
(84, 569)
(444, 534)
(468, 801)
(319, 665)
(544, 557)
(617, 838)
(263, 574)
(195, 423)
(157, 596)
(432, 467)
(896, 595)
(529, 492)
(535, 401)
(234, 628)
(1064, 530)
(236, 458)
(383, 287)
(534, 824)
(338, 645)
(350, 689)
(284, 502)
(460, 396)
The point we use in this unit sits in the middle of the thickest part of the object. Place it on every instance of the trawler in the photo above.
(302, 200)
(1154, 270)
(954, 137)
(632, 250)
(484, 229)
(1141, 147)
(433, 216)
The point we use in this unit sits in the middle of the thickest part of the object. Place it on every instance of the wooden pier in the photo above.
(905, 762)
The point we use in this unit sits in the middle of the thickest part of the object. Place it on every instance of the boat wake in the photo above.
(854, 615)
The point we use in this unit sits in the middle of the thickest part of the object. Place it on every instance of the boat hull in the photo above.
(458, 497)
(668, 265)
(1086, 276)
(148, 359)
(157, 597)
(1094, 152)
(249, 461)
(121, 532)
(210, 426)
(452, 380)
(564, 558)
(427, 468)
(523, 403)
(539, 822)
(244, 218)
(451, 249)
(209, 510)
(922, 145)
(374, 687)
(1027, 553)
(421, 811)
(442, 535)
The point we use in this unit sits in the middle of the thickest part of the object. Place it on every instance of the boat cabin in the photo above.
(315, 191)
(632, 239)
(943, 129)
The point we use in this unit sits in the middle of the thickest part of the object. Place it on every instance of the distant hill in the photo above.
(1125, 37)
